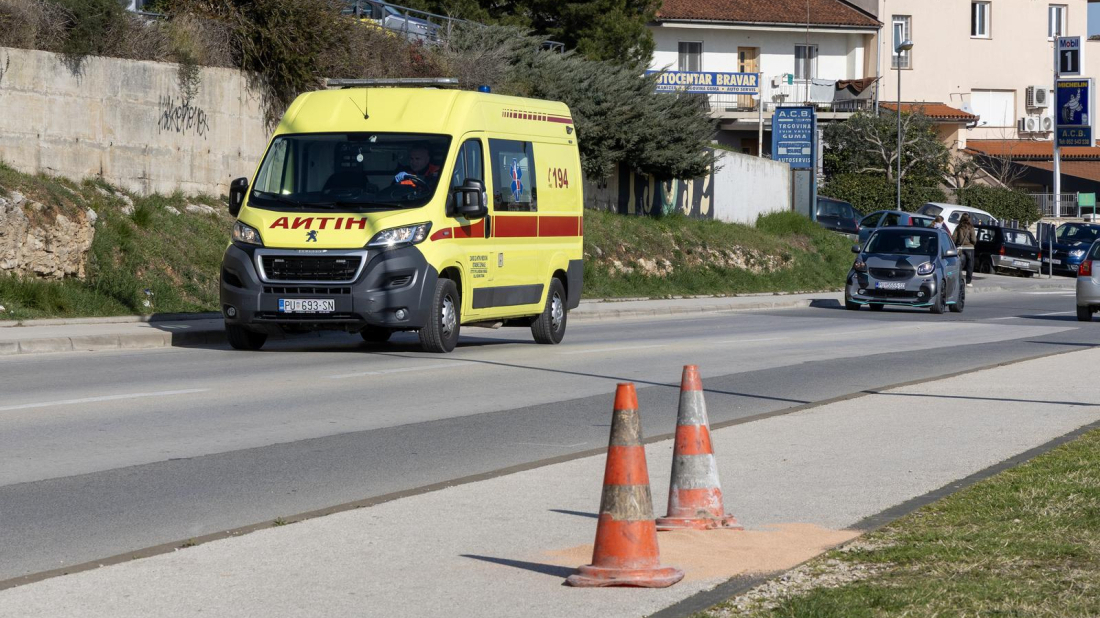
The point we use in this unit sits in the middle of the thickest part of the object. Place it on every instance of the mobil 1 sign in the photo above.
(793, 131)
(1073, 113)
(1069, 56)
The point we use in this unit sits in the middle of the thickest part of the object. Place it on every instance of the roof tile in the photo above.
(935, 111)
(794, 12)
(1025, 150)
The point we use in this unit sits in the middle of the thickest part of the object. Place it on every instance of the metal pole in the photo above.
(1057, 150)
(760, 113)
(899, 134)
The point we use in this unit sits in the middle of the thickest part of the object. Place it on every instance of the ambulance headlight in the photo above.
(400, 236)
(246, 234)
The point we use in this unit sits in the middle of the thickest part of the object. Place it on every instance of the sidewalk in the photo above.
(127, 332)
(502, 546)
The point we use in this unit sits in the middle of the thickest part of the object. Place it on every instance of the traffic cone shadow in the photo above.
(694, 493)
(625, 552)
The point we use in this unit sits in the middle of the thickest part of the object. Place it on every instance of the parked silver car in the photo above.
(912, 267)
(1088, 284)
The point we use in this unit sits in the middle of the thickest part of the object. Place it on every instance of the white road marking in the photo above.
(382, 372)
(1007, 317)
(632, 347)
(1054, 293)
(1055, 313)
(69, 402)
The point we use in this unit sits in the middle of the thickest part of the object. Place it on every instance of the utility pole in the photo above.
(1057, 150)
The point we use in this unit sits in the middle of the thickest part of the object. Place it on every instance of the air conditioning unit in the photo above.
(1048, 124)
(1038, 97)
(1031, 124)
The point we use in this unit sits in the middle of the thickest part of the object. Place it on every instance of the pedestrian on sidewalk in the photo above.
(965, 237)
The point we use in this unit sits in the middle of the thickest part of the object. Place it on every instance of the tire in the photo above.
(376, 334)
(960, 304)
(1028, 274)
(940, 305)
(549, 327)
(851, 306)
(986, 267)
(243, 339)
(877, 306)
(440, 334)
(1084, 314)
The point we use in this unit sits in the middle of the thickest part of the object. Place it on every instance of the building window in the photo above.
(997, 108)
(979, 20)
(1056, 20)
(805, 62)
(691, 55)
(903, 31)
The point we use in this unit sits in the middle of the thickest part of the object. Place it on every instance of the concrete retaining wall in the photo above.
(741, 189)
(127, 122)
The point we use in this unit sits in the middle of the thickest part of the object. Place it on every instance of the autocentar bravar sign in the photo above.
(707, 82)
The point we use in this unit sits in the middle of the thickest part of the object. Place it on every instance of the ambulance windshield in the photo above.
(351, 171)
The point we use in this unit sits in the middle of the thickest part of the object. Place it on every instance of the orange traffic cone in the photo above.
(694, 495)
(625, 552)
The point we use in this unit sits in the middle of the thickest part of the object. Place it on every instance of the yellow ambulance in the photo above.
(385, 209)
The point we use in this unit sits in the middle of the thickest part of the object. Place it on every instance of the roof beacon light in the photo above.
(483, 89)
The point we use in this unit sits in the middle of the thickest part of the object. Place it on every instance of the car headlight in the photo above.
(400, 236)
(860, 266)
(926, 269)
(1076, 253)
(246, 234)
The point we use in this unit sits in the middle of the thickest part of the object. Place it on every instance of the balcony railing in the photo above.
(800, 92)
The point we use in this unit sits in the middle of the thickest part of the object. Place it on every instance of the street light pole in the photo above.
(900, 46)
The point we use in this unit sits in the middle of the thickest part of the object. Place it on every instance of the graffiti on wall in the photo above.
(630, 193)
(4, 67)
(182, 117)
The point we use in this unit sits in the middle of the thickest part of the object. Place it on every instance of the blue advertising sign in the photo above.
(1072, 114)
(707, 82)
(793, 136)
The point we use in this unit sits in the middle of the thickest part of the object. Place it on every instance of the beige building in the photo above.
(990, 58)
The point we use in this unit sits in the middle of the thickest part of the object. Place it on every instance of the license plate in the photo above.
(307, 305)
(1048, 261)
(1020, 264)
(889, 285)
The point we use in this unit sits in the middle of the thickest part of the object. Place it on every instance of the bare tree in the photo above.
(869, 144)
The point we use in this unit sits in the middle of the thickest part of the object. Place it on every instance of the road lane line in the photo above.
(382, 372)
(632, 347)
(69, 402)
(1039, 315)
(1007, 317)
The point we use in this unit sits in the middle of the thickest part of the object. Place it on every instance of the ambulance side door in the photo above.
(478, 257)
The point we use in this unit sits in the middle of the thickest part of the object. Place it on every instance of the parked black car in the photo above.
(837, 215)
(1002, 248)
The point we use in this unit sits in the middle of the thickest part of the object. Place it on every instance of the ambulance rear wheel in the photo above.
(440, 334)
(243, 339)
(549, 327)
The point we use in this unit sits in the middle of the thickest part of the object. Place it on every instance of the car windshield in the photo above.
(356, 171)
(904, 242)
(1072, 233)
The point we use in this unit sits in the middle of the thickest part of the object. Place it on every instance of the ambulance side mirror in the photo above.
(470, 200)
(237, 190)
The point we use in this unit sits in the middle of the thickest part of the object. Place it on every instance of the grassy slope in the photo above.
(1023, 543)
(176, 257)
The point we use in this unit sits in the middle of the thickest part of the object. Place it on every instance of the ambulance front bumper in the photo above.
(260, 288)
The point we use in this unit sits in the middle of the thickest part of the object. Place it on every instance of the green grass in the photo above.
(803, 256)
(1023, 543)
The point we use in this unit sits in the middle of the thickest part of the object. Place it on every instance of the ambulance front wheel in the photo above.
(440, 334)
(549, 327)
(243, 339)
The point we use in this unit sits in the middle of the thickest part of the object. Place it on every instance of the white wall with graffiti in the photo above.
(127, 122)
(738, 190)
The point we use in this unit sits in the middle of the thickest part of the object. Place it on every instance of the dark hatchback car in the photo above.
(837, 215)
(906, 266)
(1001, 249)
(1071, 243)
(889, 218)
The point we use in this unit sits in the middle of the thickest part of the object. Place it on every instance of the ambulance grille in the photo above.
(310, 267)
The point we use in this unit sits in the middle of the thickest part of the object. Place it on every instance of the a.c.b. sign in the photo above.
(793, 136)
(1073, 112)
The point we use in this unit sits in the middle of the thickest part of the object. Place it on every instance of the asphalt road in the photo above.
(108, 452)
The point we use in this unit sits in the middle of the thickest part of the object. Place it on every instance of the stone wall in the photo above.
(740, 189)
(127, 122)
(35, 243)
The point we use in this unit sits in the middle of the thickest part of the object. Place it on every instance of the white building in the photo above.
(820, 52)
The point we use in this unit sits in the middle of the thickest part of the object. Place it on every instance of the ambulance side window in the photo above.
(513, 183)
(469, 165)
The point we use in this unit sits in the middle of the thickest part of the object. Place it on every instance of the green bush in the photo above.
(1005, 204)
(91, 26)
(871, 192)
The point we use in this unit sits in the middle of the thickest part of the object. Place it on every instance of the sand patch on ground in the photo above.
(722, 554)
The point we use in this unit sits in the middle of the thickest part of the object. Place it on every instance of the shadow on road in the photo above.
(537, 567)
(577, 513)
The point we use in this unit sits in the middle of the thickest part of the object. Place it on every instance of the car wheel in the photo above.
(549, 327)
(850, 305)
(376, 334)
(1029, 274)
(1084, 314)
(986, 266)
(960, 304)
(243, 339)
(440, 334)
(940, 304)
(877, 306)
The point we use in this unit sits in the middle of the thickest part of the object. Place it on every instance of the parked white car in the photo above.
(952, 212)
(1088, 284)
